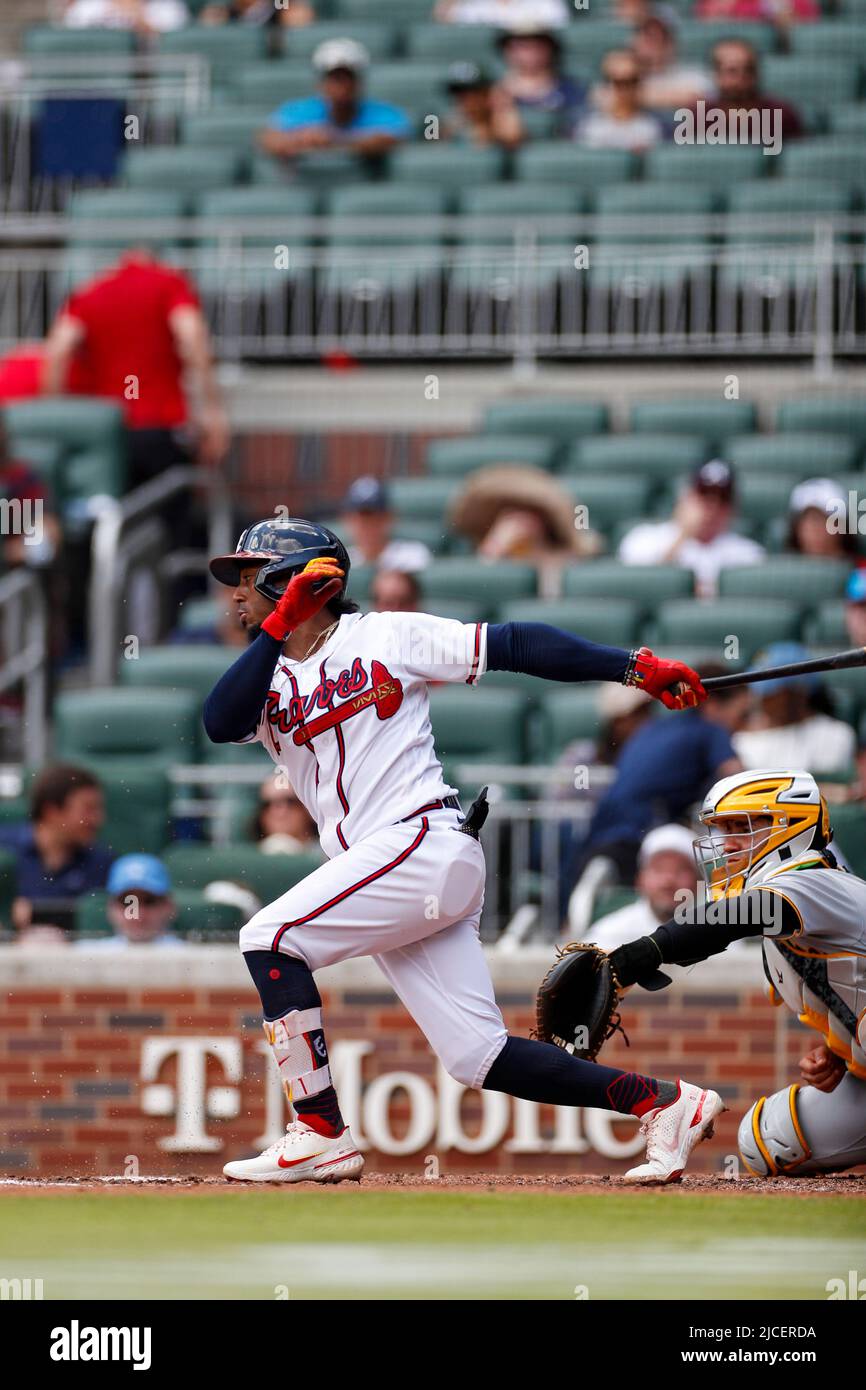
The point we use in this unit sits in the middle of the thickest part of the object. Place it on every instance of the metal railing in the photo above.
(24, 657)
(419, 287)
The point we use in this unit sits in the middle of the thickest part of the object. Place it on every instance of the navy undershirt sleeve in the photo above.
(537, 649)
(234, 706)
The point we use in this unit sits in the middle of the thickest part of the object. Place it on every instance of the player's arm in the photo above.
(537, 649)
(234, 706)
(192, 339)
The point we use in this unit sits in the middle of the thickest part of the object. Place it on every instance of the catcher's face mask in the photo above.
(731, 851)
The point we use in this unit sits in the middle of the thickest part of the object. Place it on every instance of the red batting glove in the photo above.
(305, 594)
(676, 685)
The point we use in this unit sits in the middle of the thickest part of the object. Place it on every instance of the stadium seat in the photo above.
(763, 497)
(560, 161)
(717, 167)
(569, 713)
(101, 207)
(649, 586)
(417, 88)
(836, 157)
(562, 420)
(268, 84)
(490, 213)
(848, 120)
(825, 625)
(696, 38)
(223, 47)
(319, 169)
(454, 458)
(613, 621)
(426, 498)
(199, 614)
(713, 419)
(459, 610)
(399, 11)
(626, 231)
(175, 667)
(713, 622)
(137, 806)
(782, 198)
(151, 728)
(833, 414)
(610, 498)
(181, 168)
(830, 38)
(611, 900)
(358, 257)
(848, 821)
(657, 456)
(809, 455)
(802, 579)
(90, 432)
(379, 38)
(479, 724)
(224, 130)
(57, 41)
(217, 263)
(197, 918)
(194, 866)
(811, 84)
(441, 165)
(585, 43)
(626, 211)
(488, 582)
(448, 43)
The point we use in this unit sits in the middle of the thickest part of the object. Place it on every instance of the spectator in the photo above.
(665, 81)
(621, 121)
(367, 521)
(789, 725)
(282, 824)
(855, 608)
(139, 327)
(782, 13)
(817, 521)
(533, 77)
(57, 851)
(395, 591)
(340, 117)
(736, 73)
(140, 908)
(32, 534)
(698, 535)
(504, 14)
(261, 12)
(666, 871)
(481, 113)
(146, 18)
(522, 514)
(661, 771)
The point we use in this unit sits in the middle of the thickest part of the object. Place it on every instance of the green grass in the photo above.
(342, 1243)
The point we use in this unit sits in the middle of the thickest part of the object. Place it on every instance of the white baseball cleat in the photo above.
(673, 1130)
(301, 1155)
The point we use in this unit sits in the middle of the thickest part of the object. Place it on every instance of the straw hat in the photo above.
(493, 490)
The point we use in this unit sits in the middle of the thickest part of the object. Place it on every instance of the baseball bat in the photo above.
(842, 661)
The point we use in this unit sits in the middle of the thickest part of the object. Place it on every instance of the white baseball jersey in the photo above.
(820, 971)
(351, 724)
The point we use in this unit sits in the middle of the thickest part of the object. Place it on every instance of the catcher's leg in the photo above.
(803, 1130)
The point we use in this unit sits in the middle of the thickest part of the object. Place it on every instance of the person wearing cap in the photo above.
(340, 116)
(855, 608)
(481, 113)
(367, 521)
(666, 81)
(533, 77)
(698, 536)
(665, 871)
(790, 725)
(620, 120)
(140, 908)
(503, 14)
(817, 521)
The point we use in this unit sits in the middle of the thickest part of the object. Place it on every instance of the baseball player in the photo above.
(770, 871)
(339, 700)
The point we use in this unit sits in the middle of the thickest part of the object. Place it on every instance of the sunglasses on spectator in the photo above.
(749, 68)
(143, 899)
(624, 81)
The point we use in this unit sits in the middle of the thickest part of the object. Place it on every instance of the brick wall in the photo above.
(154, 1063)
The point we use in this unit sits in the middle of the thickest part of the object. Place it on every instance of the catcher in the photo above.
(338, 699)
(769, 870)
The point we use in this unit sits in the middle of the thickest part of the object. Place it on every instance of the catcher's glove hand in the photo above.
(578, 1001)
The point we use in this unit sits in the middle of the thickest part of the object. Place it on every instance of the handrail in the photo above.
(24, 619)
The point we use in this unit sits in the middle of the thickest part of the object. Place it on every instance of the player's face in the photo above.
(741, 837)
(251, 607)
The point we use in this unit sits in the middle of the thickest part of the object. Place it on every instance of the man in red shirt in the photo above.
(136, 330)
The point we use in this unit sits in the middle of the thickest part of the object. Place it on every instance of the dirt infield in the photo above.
(838, 1185)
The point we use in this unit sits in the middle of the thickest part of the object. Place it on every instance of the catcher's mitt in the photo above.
(578, 1000)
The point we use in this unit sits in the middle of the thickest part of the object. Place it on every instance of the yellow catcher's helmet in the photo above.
(782, 816)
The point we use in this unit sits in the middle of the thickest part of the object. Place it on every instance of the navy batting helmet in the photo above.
(281, 548)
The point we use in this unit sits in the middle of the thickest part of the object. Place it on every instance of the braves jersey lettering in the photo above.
(351, 726)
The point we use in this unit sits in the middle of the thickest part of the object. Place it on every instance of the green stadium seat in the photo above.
(175, 667)
(556, 419)
(585, 42)
(614, 621)
(454, 458)
(649, 586)
(767, 260)
(224, 130)
(716, 167)
(625, 211)
(763, 497)
(222, 47)
(137, 806)
(283, 205)
(830, 38)
(479, 724)
(459, 610)
(442, 165)
(609, 498)
(848, 120)
(132, 204)
(150, 728)
(426, 498)
(848, 692)
(507, 202)
(416, 87)
(182, 169)
(194, 866)
(781, 198)
(832, 414)
(835, 157)
(696, 38)
(197, 918)
(379, 38)
(560, 161)
(488, 582)
(712, 622)
(713, 419)
(569, 713)
(449, 43)
(56, 41)
(429, 532)
(812, 85)
(90, 432)
(322, 170)
(268, 84)
(800, 578)
(358, 257)
(398, 11)
(825, 625)
(199, 614)
(848, 820)
(656, 456)
(809, 455)
(612, 900)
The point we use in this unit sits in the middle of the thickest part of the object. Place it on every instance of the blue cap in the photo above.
(366, 494)
(784, 654)
(855, 591)
(143, 871)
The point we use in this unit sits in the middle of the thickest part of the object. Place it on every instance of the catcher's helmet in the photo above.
(281, 548)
